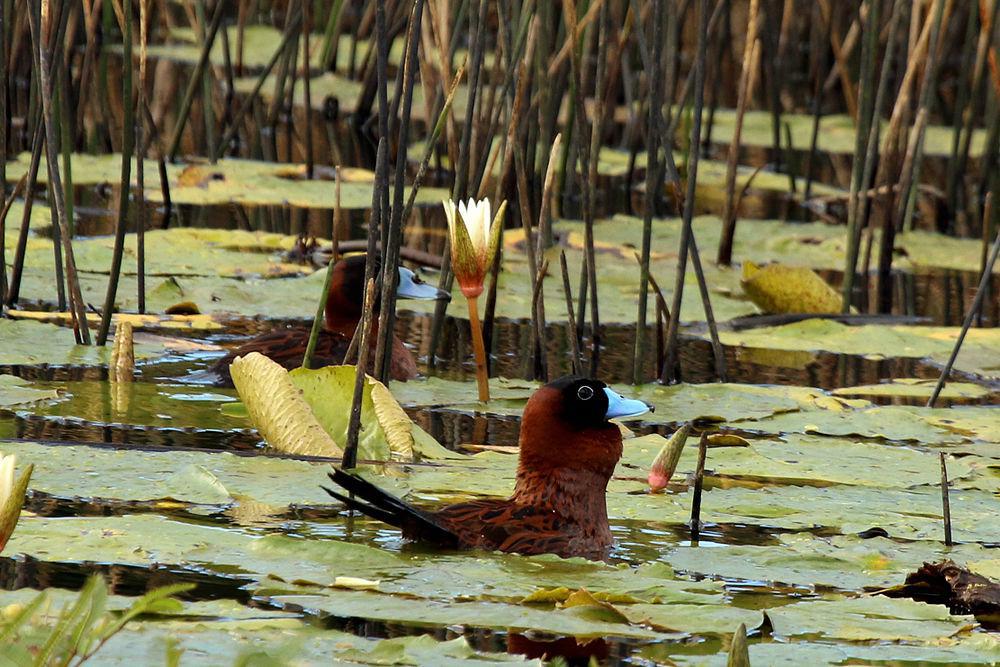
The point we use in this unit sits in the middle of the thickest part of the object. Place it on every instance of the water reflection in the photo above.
(823, 370)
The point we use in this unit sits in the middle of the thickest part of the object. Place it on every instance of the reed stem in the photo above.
(318, 319)
(125, 180)
(350, 459)
(193, 83)
(51, 143)
(689, 197)
(977, 303)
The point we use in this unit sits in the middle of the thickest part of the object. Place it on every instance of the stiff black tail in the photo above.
(378, 504)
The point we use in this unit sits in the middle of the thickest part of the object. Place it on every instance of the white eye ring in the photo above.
(585, 393)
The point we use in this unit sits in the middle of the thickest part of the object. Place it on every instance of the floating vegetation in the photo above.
(771, 222)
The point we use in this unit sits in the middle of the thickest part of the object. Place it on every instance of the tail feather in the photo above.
(364, 508)
(381, 505)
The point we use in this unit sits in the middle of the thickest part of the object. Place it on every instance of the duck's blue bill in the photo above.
(619, 406)
(412, 287)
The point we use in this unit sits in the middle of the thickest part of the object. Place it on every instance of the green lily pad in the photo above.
(876, 618)
(978, 355)
(26, 342)
(230, 181)
(15, 391)
(223, 632)
(840, 562)
(259, 44)
(914, 388)
(836, 133)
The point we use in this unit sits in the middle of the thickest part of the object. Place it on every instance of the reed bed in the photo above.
(518, 101)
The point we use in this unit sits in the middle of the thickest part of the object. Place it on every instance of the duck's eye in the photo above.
(585, 393)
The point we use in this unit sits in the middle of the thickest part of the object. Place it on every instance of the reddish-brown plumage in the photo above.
(568, 454)
(342, 314)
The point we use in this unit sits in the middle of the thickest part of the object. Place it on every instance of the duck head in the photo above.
(566, 426)
(345, 301)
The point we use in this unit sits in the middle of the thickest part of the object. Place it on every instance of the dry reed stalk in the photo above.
(863, 124)
(125, 180)
(689, 198)
(291, 31)
(843, 65)
(77, 305)
(748, 74)
(653, 184)
(193, 82)
(390, 251)
(577, 361)
(362, 336)
(960, 158)
(8, 202)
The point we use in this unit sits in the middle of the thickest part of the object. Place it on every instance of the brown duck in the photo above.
(342, 314)
(569, 451)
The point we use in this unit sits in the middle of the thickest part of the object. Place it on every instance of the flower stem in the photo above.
(482, 379)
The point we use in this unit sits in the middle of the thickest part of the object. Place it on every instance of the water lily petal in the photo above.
(496, 230)
(465, 262)
(449, 212)
(7, 464)
(485, 217)
(11, 503)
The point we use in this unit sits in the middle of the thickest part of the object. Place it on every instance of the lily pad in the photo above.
(860, 619)
(15, 391)
(27, 343)
(914, 388)
(230, 181)
(978, 355)
(836, 133)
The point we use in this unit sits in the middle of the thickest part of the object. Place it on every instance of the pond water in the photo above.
(824, 492)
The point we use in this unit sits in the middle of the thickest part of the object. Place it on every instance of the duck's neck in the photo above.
(345, 326)
(577, 495)
(341, 316)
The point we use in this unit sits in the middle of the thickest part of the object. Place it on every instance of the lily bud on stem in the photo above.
(475, 238)
(479, 348)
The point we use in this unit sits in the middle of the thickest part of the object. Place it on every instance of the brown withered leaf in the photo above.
(948, 583)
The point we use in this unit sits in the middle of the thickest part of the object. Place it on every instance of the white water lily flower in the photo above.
(11, 496)
(474, 241)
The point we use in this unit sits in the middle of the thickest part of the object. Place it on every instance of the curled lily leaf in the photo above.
(11, 496)
(475, 238)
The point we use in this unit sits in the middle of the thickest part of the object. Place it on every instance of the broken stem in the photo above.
(945, 502)
(699, 479)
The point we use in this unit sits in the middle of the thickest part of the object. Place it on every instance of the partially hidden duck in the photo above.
(344, 305)
(568, 453)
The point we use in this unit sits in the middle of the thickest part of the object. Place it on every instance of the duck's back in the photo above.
(287, 347)
(503, 525)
